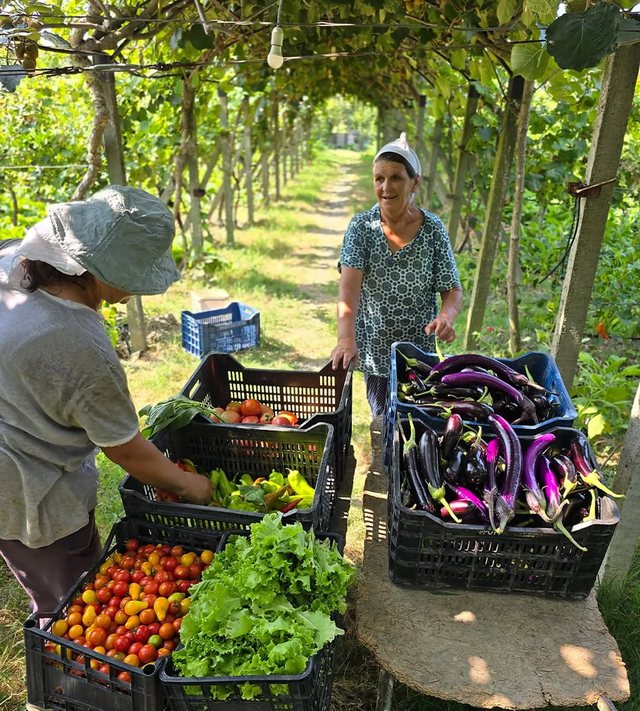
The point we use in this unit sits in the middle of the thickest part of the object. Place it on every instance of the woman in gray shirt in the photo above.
(63, 392)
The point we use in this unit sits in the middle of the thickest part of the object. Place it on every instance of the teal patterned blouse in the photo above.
(398, 296)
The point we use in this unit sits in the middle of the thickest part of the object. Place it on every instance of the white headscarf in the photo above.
(401, 147)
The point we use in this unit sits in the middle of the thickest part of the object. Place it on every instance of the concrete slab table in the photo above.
(488, 650)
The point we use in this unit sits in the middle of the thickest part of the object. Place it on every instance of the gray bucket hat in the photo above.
(121, 235)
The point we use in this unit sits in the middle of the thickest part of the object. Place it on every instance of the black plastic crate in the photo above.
(426, 552)
(540, 366)
(322, 396)
(239, 449)
(235, 327)
(309, 691)
(56, 681)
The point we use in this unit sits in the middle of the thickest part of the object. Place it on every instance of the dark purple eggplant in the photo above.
(566, 470)
(465, 494)
(586, 471)
(533, 492)
(417, 381)
(490, 491)
(450, 436)
(493, 383)
(512, 455)
(412, 468)
(440, 391)
(466, 408)
(415, 363)
(429, 467)
(476, 465)
(453, 472)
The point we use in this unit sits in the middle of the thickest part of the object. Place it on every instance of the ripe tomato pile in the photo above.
(133, 609)
(253, 412)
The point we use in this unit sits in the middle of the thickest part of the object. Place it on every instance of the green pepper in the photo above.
(269, 486)
(247, 480)
(225, 487)
(299, 484)
(277, 478)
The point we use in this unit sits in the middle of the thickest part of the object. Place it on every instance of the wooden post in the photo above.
(616, 98)
(421, 149)
(463, 162)
(112, 140)
(276, 147)
(227, 167)
(247, 151)
(493, 219)
(625, 539)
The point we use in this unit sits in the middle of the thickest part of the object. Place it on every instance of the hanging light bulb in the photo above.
(275, 58)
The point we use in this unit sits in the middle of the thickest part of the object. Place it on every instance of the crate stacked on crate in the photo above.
(235, 327)
(314, 396)
(237, 450)
(63, 673)
(307, 689)
(539, 366)
(521, 548)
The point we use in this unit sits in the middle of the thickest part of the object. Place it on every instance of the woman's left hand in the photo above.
(442, 328)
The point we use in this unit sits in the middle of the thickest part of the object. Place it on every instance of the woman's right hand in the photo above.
(345, 351)
(197, 489)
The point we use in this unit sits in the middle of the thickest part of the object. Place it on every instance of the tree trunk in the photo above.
(112, 138)
(421, 149)
(627, 481)
(264, 160)
(189, 148)
(227, 167)
(493, 220)
(247, 154)
(513, 274)
(462, 165)
(276, 148)
(616, 97)
(433, 164)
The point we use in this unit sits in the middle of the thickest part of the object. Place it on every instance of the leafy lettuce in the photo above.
(264, 606)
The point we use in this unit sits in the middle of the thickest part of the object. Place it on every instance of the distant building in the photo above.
(349, 139)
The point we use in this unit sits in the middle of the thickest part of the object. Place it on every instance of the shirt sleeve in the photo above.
(445, 269)
(354, 253)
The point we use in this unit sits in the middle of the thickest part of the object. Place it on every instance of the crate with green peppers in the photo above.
(254, 470)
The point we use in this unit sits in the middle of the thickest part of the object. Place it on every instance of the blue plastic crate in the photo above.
(233, 328)
(541, 367)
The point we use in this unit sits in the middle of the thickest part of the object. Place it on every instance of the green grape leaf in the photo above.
(529, 60)
(578, 40)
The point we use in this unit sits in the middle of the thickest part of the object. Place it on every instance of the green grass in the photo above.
(274, 267)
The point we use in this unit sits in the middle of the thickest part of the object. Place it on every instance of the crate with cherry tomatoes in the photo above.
(302, 397)
(101, 648)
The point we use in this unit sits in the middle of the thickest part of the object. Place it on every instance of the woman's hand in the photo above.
(442, 328)
(345, 351)
(198, 489)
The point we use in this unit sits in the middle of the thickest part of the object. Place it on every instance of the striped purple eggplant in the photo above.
(548, 482)
(533, 492)
(465, 494)
(493, 383)
(512, 454)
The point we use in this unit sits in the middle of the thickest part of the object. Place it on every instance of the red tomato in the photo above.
(184, 585)
(167, 630)
(97, 636)
(121, 588)
(151, 588)
(250, 420)
(124, 676)
(132, 544)
(134, 648)
(153, 628)
(122, 643)
(181, 572)
(137, 576)
(141, 634)
(147, 654)
(231, 416)
(167, 588)
(161, 576)
(128, 562)
(194, 571)
(281, 420)
(104, 594)
(251, 406)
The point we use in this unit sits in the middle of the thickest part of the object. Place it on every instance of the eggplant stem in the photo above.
(593, 479)
(559, 526)
(438, 495)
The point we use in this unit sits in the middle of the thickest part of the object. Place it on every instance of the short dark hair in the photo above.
(39, 274)
(397, 158)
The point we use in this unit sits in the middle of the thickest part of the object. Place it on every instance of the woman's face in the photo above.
(392, 184)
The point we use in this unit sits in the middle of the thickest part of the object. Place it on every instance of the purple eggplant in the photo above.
(548, 482)
(533, 492)
(465, 494)
(465, 510)
(566, 470)
(465, 408)
(429, 463)
(490, 491)
(512, 455)
(475, 360)
(578, 451)
(453, 472)
(493, 383)
(415, 363)
(412, 468)
(451, 436)
(476, 465)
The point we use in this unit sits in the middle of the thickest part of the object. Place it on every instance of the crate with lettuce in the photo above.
(262, 622)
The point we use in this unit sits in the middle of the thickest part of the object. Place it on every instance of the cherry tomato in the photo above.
(167, 631)
(132, 544)
(147, 654)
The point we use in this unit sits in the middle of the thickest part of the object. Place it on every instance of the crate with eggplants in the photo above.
(485, 509)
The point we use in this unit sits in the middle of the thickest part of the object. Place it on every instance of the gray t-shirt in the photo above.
(63, 393)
